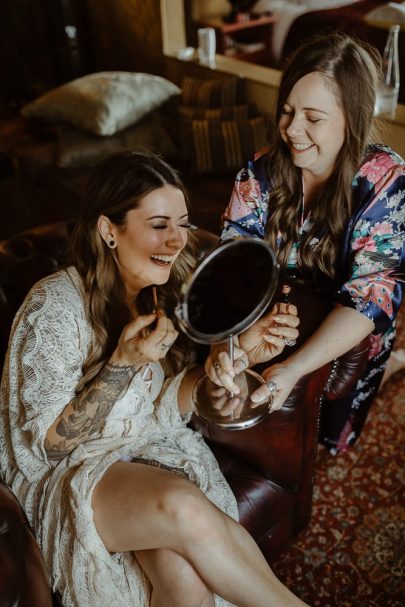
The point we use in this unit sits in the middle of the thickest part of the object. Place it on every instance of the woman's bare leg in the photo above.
(139, 507)
(175, 582)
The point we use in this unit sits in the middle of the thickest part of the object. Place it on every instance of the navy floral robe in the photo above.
(372, 267)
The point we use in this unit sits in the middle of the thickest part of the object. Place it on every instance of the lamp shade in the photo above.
(392, 13)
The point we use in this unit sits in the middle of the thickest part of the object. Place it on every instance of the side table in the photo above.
(249, 40)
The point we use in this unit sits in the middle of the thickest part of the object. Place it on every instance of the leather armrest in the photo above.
(23, 580)
(273, 447)
(346, 370)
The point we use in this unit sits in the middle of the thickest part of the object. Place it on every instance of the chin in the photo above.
(162, 278)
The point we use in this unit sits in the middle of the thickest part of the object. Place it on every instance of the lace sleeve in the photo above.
(48, 347)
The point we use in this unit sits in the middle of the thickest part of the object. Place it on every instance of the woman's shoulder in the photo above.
(60, 288)
(380, 169)
(67, 279)
(383, 156)
(259, 159)
(255, 168)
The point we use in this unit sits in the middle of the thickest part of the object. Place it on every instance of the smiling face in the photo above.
(151, 240)
(312, 124)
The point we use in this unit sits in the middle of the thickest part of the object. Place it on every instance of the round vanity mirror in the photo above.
(229, 290)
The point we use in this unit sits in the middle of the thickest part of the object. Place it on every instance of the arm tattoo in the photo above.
(85, 415)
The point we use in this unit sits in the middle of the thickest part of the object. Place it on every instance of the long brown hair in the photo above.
(353, 70)
(117, 186)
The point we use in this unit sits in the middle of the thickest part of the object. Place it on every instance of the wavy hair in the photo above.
(352, 68)
(118, 185)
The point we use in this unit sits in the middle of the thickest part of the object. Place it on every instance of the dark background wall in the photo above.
(48, 42)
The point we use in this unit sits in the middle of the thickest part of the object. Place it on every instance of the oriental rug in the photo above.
(353, 552)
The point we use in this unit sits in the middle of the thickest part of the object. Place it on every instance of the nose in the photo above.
(175, 239)
(295, 127)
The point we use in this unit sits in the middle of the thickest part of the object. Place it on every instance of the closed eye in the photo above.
(182, 225)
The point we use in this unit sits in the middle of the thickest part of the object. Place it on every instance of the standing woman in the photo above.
(332, 206)
(128, 504)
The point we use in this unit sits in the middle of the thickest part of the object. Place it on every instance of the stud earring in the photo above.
(112, 244)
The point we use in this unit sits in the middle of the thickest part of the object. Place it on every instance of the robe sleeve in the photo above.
(376, 245)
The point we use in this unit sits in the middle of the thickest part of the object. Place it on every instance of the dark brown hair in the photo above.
(117, 186)
(353, 69)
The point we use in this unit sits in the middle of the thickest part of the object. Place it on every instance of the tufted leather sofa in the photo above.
(270, 467)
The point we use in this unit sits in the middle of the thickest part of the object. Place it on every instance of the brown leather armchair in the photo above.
(270, 467)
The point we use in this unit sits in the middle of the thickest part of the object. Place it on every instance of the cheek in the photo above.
(150, 241)
(184, 238)
(282, 126)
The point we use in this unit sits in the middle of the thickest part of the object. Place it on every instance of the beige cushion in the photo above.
(104, 102)
(387, 14)
(77, 148)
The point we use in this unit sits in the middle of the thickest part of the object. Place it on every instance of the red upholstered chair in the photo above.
(270, 467)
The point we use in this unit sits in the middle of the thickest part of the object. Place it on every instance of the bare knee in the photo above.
(190, 512)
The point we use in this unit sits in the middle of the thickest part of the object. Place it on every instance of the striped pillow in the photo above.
(222, 113)
(223, 146)
(211, 93)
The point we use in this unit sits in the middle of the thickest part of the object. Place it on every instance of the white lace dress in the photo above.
(49, 342)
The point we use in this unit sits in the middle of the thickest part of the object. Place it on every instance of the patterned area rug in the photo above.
(353, 552)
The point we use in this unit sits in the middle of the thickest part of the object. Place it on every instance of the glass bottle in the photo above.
(387, 96)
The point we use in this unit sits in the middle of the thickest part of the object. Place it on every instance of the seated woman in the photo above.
(332, 206)
(128, 504)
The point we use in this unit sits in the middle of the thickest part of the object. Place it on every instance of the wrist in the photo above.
(117, 365)
(293, 368)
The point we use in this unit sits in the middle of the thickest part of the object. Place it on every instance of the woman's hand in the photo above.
(282, 379)
(266, 338)
(140, 344)
(226, 402)
(220, 369)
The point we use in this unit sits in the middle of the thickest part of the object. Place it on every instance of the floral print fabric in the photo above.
(371, 267)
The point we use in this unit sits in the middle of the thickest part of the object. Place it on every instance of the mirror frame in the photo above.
(182, 308)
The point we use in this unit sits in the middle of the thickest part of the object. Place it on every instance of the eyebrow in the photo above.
(314, 109)
(310, 109)
(166, 217)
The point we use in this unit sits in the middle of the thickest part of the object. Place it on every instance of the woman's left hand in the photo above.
(267, 337)
(225, 402)
(221, 370)
(282, 379)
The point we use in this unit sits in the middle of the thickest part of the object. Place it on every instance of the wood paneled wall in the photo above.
(126, 34)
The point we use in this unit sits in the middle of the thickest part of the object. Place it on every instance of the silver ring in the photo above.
(290, 342)
(272, 386)
(216, 365)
